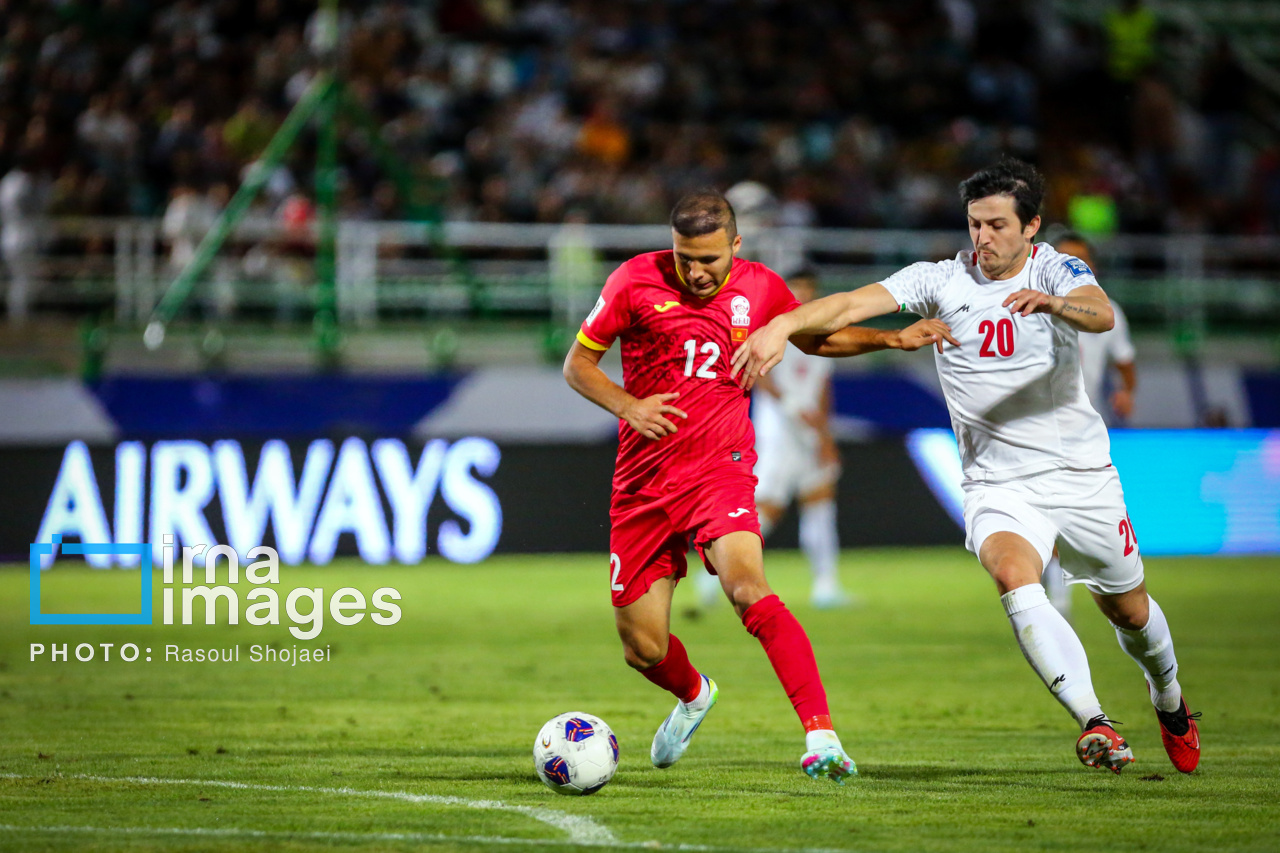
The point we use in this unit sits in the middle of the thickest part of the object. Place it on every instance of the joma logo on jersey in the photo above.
(666, 306)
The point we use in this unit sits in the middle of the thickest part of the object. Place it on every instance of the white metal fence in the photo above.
(388, 271)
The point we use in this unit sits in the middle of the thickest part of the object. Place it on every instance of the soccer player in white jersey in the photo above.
(1036, 456)
(1101, 352)
(798, 456)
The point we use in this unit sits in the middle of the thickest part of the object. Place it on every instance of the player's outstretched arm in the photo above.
(765, 347)
(647, 417)
(1087, 307)
(856, 340)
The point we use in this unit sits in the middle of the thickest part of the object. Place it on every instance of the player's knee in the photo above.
(746, 593)
(642, 652)
(1126, 612)
(1011, 571)
(1007, 578)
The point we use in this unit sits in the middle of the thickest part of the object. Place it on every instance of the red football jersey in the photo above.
(673, 341)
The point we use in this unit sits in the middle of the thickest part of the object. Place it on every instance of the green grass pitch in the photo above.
(958, 744)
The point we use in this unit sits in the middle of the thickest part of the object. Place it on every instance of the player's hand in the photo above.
(1028, 301)
(648, 416)
(759, 352)
(1122, 403)
(925, 332)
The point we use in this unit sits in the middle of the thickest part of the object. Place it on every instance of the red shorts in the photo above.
(650, 533)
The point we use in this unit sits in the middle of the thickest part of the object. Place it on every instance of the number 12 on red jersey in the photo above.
(710, 349)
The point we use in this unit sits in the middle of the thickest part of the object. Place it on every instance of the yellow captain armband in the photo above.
(590, 344)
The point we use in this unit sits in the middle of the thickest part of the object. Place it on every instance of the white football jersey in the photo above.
(1099, 351)
(800, 379)
(1014, 388)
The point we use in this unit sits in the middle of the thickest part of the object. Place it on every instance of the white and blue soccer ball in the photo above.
(575, 753)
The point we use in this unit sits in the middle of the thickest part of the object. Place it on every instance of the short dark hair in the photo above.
(1011, 177)
(704, 212)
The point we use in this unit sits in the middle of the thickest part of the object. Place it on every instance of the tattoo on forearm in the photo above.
(1078, 310)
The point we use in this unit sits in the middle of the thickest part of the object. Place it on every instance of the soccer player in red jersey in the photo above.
(685, 459)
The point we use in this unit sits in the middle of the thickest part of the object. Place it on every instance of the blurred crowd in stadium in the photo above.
(854, 114)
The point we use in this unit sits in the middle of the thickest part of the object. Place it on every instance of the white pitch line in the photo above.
(413, 837)
(581, 829)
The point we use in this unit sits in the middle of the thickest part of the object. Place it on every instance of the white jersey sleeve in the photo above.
(1062, 273)
(916, 288)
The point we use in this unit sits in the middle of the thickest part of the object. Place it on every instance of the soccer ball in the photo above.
(575, 753)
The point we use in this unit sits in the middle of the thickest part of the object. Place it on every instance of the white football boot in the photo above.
(673, 736)
(828, 762)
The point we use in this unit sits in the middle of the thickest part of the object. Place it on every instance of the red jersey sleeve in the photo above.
(611, 315)
(778, 297)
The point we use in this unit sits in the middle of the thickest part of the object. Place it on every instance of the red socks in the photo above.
(788, 648)
(676, 675)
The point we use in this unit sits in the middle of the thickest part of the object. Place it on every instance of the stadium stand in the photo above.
(524, 111)
(534, 132)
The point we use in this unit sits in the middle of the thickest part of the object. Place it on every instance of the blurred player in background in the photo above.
(686, 453)
(1098, 353)
(798, 455)
(758, 213)
(798, 458)
(1036, 456)
(22, 198)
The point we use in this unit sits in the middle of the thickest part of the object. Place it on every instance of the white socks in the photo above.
(1151, 647)
(821, 544)
(1057, 588)
(818, 738)
(700, 701)
(1053, 650)
(1055, 653)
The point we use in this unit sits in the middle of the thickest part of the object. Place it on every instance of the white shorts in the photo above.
(787, 466)
(1082, 513)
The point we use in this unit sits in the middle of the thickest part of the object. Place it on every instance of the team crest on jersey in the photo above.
(595, 312)
(1077, 267)
(741, 308)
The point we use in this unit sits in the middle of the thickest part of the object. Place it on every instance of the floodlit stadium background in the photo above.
(302, 273)
(418, 242)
